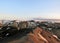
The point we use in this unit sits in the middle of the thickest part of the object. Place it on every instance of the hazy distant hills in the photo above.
(39, 19)
(46, 19)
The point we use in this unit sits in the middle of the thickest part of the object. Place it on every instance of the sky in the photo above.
(16, 9)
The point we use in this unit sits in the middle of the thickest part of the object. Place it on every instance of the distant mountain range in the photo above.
(46, 19)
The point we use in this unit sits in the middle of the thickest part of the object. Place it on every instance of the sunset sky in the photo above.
(13, 9)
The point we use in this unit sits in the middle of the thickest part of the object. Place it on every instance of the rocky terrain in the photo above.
(29, 32)
(38, 35)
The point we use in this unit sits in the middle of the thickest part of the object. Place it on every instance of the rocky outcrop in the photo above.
(42, 36)
(38, 35)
